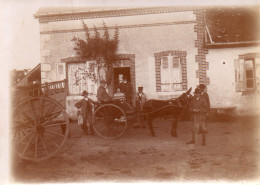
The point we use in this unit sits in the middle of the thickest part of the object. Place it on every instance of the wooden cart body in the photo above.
(39, 122)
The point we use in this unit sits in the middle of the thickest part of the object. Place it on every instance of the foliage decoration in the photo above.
(101, 49)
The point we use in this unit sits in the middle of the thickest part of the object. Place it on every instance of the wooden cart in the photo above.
(39, 122)
(111, 120)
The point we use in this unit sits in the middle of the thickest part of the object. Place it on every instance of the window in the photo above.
(249, 70)
(171, 73)
(246, 74)
(60, 71)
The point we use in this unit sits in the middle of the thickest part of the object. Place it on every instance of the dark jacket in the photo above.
(199, 105)
(206, 97)
(85, 106)
(102, 94)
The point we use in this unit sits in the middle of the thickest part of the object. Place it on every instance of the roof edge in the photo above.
(79, 15)
(232, 44)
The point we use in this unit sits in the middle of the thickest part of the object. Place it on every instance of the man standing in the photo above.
(85, 107)
(126, 88)
(102, 94)
(205, 95)
(199, 109)
(140, 100)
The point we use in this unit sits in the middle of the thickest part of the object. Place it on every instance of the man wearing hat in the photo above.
(199, 108)
(126, 88)
(205, 95)
(139, 101)
(85, 107)
(102, 94)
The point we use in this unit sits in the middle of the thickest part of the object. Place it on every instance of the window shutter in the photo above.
(176, 62)
(242, 76)
(237, 69)
(165, 63)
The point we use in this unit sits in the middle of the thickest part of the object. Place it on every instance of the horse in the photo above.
(171, 108)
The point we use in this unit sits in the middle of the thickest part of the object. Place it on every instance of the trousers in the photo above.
(199, 120)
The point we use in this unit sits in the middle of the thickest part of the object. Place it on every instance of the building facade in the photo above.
(160, 48)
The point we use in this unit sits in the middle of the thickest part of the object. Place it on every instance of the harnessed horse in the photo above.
(172, 108)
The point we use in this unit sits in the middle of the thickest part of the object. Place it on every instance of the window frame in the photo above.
(183, 66)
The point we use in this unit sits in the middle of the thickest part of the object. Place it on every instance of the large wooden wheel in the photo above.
(109, 121)
(39, 129)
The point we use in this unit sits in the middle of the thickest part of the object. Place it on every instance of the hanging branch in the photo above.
(101, 49)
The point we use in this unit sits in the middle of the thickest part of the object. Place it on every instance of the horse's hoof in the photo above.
(153, 135)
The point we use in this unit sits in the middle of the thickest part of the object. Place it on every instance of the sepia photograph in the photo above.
(130, 92)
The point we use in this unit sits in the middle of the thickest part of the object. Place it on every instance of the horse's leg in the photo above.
(174, 126)
(150, 125)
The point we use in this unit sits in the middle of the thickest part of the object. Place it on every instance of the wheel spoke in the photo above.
(30, 140)
(25, 136)
(54, 125)
(101, 126)
(50, 132)
(55, 144)
(53, 115)
(50, 119)
(42, 101)
(53, 106)
(99, 112)
(27, 117)
(106, 113)
(105, 130)
(43, 144)
(34, 113)
(36, 145)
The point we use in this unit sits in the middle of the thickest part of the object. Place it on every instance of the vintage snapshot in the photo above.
(126, 94)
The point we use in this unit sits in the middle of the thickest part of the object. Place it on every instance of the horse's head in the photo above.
(185, 98)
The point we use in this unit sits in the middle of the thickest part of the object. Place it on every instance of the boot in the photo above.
(203, 138)
(192, 139)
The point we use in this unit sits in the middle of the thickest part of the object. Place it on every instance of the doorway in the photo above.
(119, 72)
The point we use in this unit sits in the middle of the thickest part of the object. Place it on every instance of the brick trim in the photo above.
(200, 58)
(182, 55)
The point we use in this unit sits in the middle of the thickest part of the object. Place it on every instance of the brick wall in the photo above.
(200, 57)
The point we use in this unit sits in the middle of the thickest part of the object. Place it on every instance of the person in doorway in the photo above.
(126, 88)
(205, 95)
(119, 96)
(199, 109)
(139, 102)
(102, 94)
(85, 107)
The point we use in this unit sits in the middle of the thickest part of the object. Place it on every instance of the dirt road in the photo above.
(231, 154)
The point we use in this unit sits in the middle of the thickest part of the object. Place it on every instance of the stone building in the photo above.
(164, 49)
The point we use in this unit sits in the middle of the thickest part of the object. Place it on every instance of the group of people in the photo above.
(199, 107)
(85, 105)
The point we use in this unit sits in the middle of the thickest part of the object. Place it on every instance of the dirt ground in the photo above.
(231, 154)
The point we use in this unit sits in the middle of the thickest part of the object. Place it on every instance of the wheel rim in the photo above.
(109, 121)
(40, 127)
